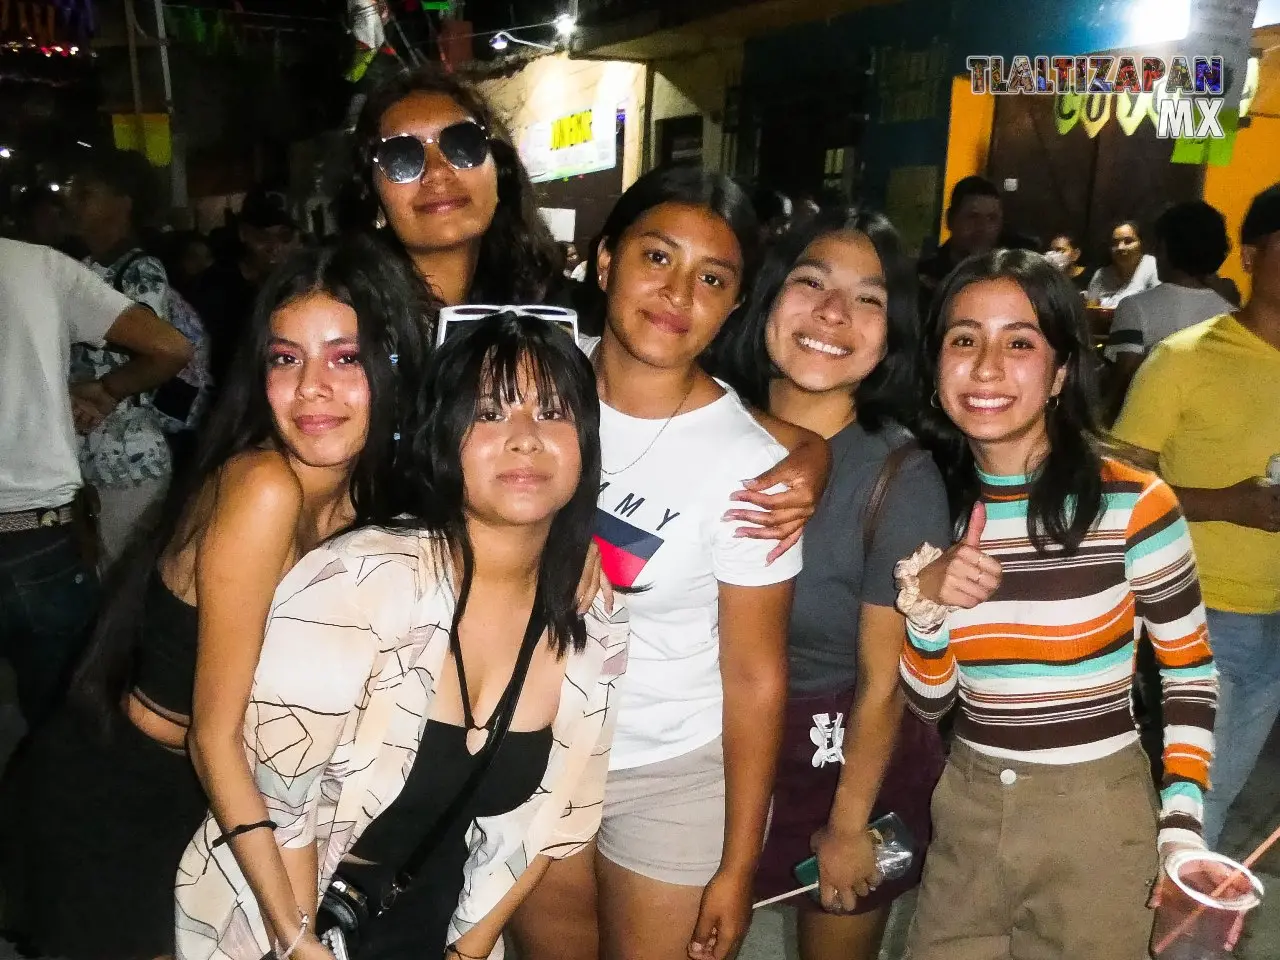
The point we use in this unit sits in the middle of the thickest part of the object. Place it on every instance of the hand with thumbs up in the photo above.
(964, 576)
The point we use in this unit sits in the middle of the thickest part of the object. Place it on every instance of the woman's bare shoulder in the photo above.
(260, 480)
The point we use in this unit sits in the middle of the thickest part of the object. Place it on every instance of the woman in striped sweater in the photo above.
(1047, 828)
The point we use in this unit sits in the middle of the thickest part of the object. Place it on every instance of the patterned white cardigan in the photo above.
(357, 635)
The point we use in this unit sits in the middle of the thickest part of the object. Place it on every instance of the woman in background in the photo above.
(1130, 270)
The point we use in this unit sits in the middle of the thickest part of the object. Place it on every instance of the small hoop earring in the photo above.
(933, 401)
(380, 221)
(1052, 403)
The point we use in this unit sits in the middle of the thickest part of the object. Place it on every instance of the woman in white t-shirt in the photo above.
(700, 718)
(1130, 270)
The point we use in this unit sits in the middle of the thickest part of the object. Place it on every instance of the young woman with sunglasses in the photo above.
(828, 342)
(701, 707)
(457, 606)
(1047, 832)
(299, 444)
(437, 176)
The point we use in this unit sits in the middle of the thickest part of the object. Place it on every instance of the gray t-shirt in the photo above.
(837, 578)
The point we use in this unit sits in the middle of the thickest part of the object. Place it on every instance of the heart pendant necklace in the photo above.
(477, 735)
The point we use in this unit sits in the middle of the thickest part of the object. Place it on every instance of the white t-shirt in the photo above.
(658, 525)
(47, 302)
(1144, 319)
(1108, 291)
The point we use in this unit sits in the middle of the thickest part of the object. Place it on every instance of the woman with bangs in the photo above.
(828, 343)
(437, 178)
(1045, 816)
(452, 688)
(299, 446)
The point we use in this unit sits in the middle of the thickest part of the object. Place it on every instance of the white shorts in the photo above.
(665, 820)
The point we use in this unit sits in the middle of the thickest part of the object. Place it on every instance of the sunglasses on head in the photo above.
(403, 158)
(454, 319)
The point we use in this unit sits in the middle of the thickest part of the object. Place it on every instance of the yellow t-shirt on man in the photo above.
(1207, 401)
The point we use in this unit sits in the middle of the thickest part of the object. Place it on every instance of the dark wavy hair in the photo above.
(485, 363)
(519, 260)
(393, 351)
(1066, 489)
(742, 358)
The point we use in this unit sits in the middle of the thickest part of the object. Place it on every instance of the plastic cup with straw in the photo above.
(1201, 903)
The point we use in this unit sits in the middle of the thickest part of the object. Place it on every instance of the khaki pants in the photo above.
(1038, 862)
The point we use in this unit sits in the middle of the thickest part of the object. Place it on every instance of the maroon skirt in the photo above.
(804, 793)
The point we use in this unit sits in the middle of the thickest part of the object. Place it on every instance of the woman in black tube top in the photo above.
(106, 798)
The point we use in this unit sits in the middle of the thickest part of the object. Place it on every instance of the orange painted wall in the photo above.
(968, 140)
(1255, 164)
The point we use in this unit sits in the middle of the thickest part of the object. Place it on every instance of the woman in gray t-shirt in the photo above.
(826, 343)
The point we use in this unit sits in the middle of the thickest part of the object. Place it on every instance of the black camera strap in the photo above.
(498, 725)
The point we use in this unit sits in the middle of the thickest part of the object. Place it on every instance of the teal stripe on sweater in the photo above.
(1202, 672)
(1159, 541)
(930, 644)
(1017, 671)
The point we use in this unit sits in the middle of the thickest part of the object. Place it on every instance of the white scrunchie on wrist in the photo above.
(925, 615)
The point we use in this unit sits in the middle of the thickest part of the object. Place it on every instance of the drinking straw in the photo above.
(1249, 861)
(788, 895)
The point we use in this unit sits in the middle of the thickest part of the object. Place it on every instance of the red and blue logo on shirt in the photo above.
(624, 549)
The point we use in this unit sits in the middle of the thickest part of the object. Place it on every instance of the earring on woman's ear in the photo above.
(380, 220)
(933, 401)
(1052, 403)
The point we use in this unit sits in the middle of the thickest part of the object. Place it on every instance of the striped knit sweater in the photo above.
(1044, 668)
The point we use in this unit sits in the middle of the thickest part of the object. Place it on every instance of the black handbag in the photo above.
(345, 910)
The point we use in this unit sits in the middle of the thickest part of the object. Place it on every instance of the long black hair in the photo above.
(485, 363)
(741, 357)
(519, 260)
(1066, 490)
(392, 323)
(684, 185)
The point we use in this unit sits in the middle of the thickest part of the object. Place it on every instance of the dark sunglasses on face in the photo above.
(403, 158)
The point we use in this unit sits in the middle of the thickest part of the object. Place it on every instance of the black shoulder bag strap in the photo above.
(875, 503)
(501, 724)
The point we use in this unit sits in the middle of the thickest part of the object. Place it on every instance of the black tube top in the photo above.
(165, 662)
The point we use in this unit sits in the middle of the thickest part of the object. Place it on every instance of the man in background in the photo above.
(1191, 244)
(267, 236)
(48, 585)
(1204, 407)
(975, 218)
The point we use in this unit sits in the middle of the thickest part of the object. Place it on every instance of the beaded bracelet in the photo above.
(302, 932)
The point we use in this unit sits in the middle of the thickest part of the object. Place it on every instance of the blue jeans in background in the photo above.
(48, 599)
(1246, 651)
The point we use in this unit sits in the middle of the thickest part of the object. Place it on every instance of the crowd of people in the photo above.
(358, 612)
